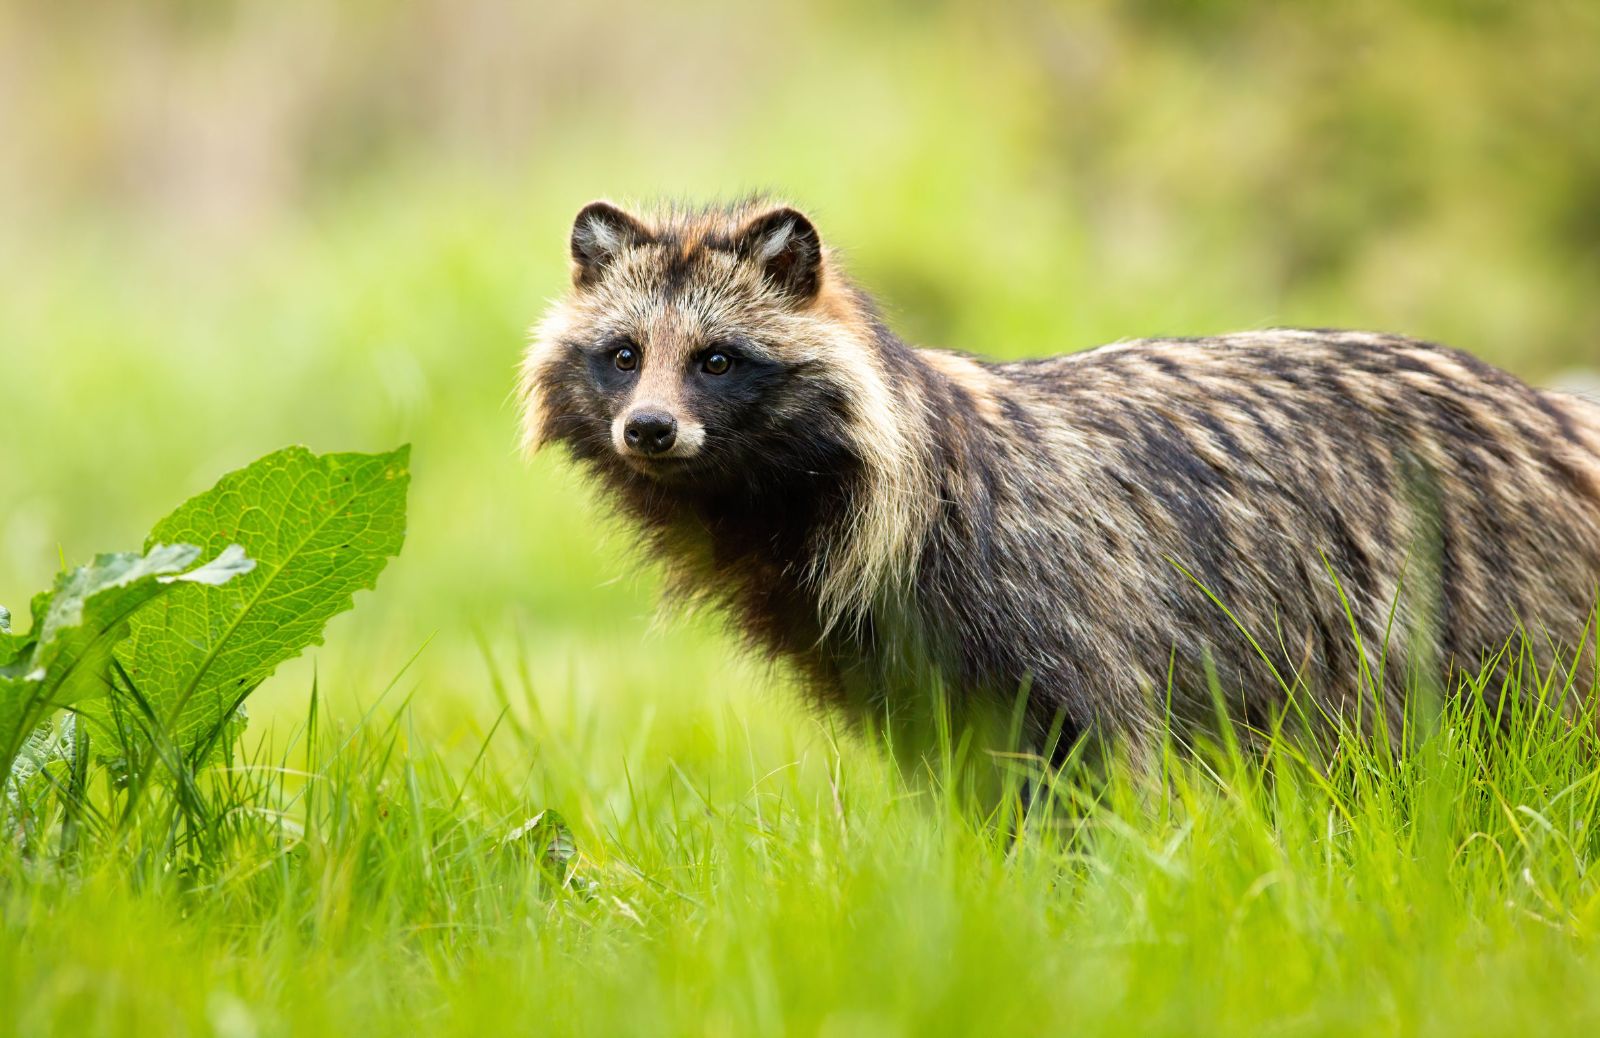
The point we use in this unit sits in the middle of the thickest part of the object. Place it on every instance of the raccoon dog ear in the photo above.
(786, 247)
(600, 234)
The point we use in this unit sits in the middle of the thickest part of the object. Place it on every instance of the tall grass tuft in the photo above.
(350, 878)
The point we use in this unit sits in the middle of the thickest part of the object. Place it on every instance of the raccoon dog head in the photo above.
(698, 349)
(717, 358)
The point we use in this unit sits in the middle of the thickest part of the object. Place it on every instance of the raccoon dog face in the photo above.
(689, 350)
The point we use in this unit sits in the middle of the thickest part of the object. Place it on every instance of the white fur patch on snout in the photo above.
(691, 435)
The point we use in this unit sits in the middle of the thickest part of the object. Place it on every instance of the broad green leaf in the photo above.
(90, 602)
(319, 528)
(64, 658)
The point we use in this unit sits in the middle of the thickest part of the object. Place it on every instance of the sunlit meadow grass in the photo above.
(732, 877)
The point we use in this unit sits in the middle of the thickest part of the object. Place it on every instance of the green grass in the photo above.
(740, 876)
(732, 880)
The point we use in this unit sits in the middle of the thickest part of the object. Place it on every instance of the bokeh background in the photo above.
(225, 227)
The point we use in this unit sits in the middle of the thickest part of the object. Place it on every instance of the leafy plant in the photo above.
(156, 655)
(65, 656)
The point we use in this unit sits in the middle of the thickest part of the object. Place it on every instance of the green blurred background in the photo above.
(227, 227)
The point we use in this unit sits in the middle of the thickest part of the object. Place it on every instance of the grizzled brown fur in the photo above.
(884, 516)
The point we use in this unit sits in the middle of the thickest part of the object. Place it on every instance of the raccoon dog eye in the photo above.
(717, 364)
(626, 358)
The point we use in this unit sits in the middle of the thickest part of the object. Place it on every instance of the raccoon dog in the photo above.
(1110, 537)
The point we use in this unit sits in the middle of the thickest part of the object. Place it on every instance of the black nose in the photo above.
(650, 432)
